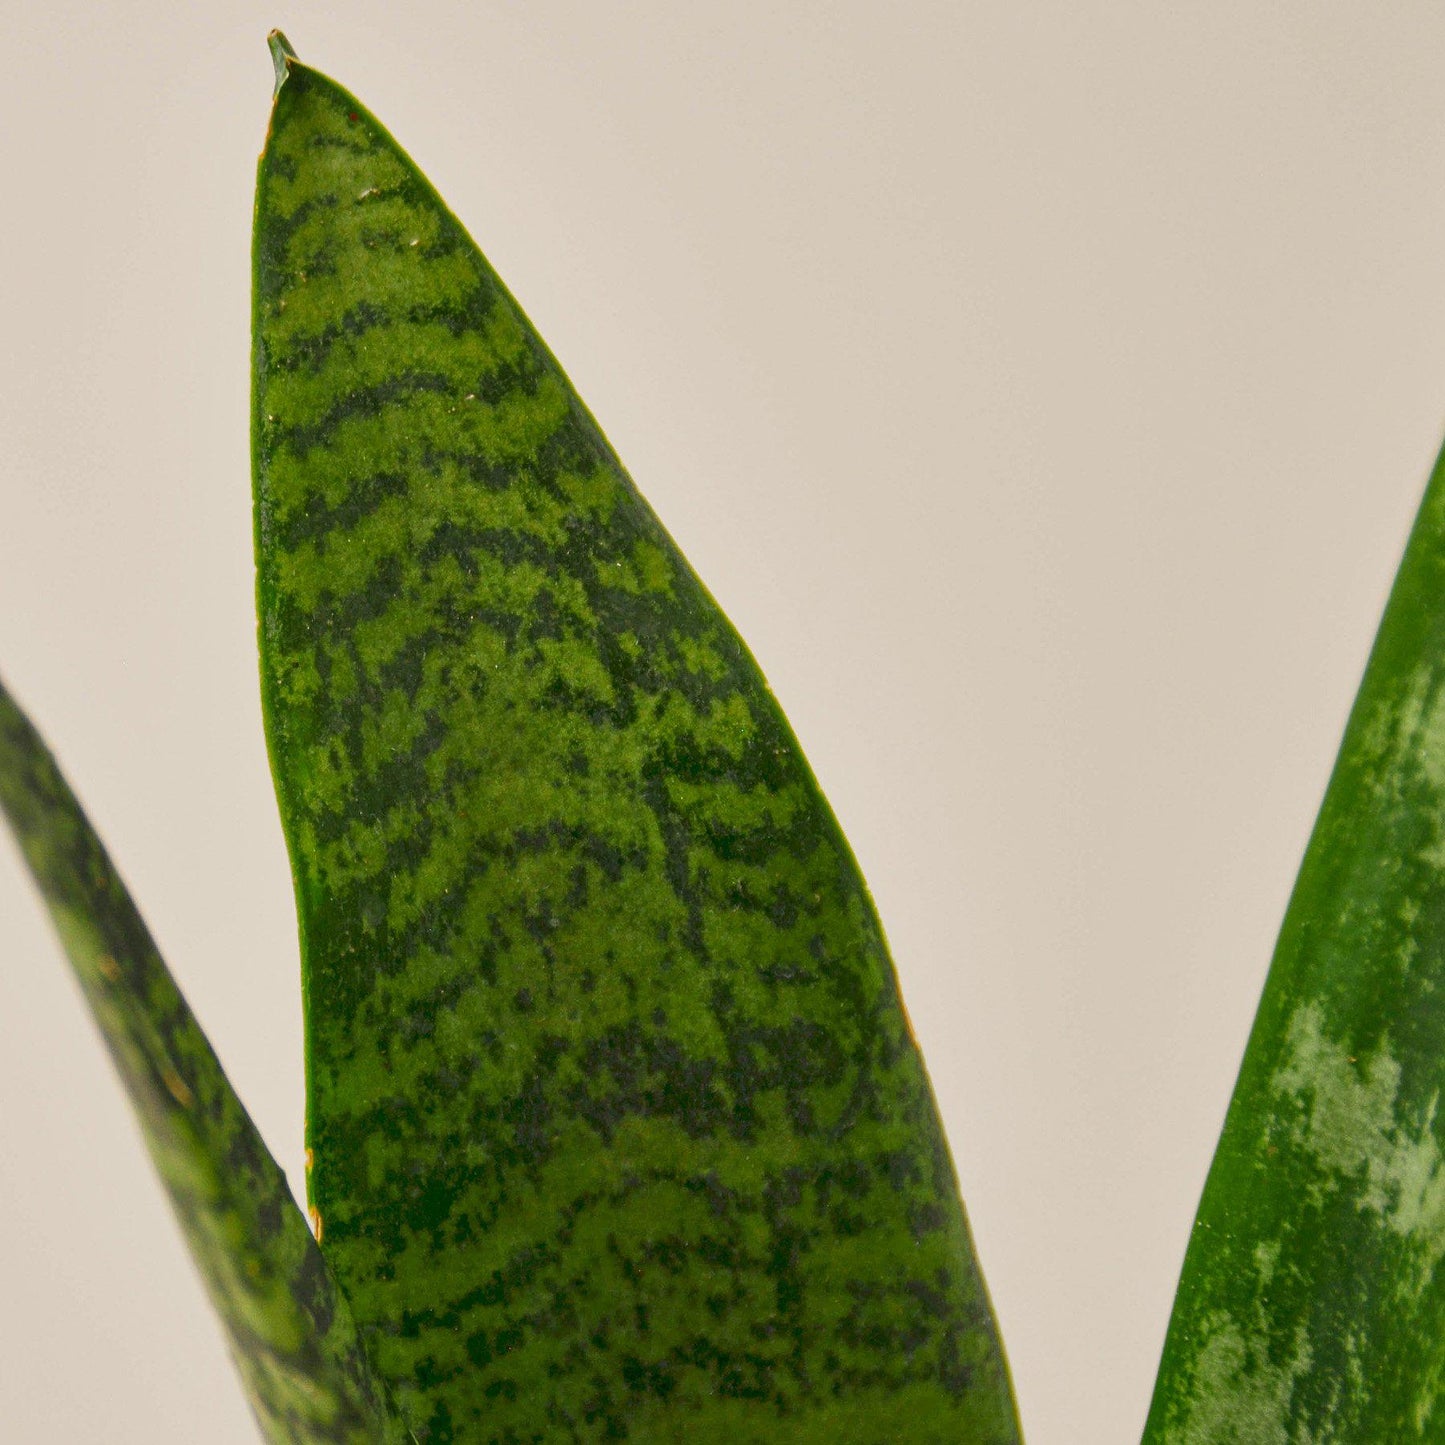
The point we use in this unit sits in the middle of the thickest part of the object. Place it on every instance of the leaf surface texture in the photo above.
(619, 1128)
(1311, 1307)
(288, 1329)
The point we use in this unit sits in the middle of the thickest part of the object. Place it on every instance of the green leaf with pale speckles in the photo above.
(619, 1129)
(1312, 1303)
(289, 1331)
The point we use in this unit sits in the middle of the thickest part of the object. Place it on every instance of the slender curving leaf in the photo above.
(1312, 1302)
(618, 1124)
(288, 1329)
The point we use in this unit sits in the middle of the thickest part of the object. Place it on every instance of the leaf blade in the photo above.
(286, 1326)
(604, 1044)
(1311, 1304)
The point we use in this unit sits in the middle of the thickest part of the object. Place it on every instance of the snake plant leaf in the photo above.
(1312, 1301)
(618, 1125)
(288, 1329)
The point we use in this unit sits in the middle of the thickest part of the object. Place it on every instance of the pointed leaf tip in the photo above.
(282, 55)
(617, 1126)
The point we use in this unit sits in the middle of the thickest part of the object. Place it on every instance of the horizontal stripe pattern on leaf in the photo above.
(619, 1129)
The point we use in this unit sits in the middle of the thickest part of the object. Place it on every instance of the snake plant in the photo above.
(616, 1125)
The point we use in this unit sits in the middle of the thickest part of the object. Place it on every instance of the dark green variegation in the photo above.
(1312, 1303)
(619, 1130)
(288, 1328)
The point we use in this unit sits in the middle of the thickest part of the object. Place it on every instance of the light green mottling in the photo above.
(1244, 1398)
(1351, 1121)
(1312, 1292)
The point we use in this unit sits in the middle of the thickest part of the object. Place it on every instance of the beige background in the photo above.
(1044, 389)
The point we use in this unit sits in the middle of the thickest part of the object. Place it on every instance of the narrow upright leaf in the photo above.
(619, 1128)
(288, 1329)
(1312, 1302)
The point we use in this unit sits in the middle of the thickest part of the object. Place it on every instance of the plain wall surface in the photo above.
(1044, 390)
